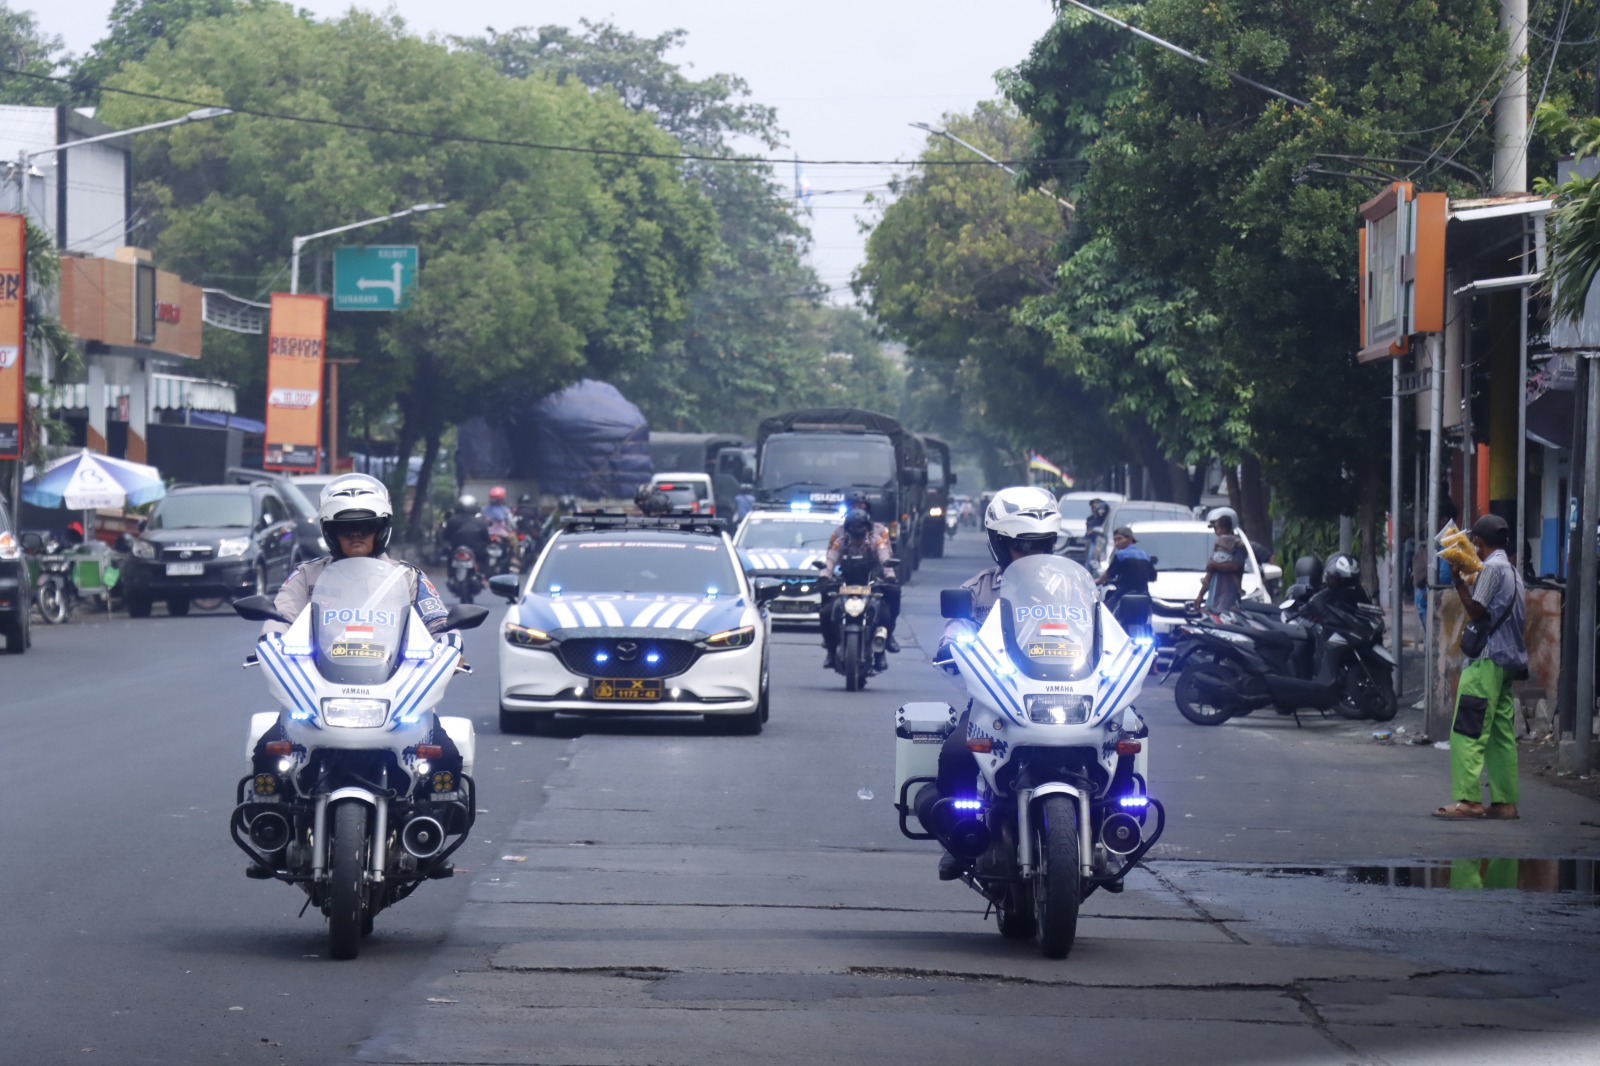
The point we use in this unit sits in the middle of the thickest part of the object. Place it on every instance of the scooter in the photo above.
(465, 580)
(357, 792)
(1318, 654)
(952, 521)
(54, 591)
(1062, 804)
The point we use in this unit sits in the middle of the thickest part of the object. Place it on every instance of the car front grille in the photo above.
(627, 657)
(185, 555)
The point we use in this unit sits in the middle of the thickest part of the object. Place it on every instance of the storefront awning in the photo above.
(168, 392)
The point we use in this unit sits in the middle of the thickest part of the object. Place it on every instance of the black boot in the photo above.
(949, 867)
(891, 645)
(832, 662)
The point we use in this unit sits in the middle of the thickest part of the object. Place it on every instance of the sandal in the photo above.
(1505, 812)
(1460, 809)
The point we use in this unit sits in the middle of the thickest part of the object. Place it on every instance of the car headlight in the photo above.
(526, 636)
(354, 712)
(8, 547)
(1055, 709)
(742, 637)
(143, 549)
(228, 547)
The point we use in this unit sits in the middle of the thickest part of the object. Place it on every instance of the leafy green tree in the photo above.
(132, 30)
(26, 49)
(545, 266)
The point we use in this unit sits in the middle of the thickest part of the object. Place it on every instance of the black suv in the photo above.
(209, 541)
(16, 595)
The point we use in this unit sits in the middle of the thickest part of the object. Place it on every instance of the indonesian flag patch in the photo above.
(1055, 629)
(354, 633)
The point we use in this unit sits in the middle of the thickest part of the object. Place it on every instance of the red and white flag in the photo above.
(357, 632)
(1055, 629)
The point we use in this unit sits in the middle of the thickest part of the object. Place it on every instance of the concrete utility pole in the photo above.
(1511, 106)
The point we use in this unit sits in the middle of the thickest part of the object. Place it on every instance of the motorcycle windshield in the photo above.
(358, 622)
(1049, 618)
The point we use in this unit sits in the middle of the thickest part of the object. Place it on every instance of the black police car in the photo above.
(16, 596)
(209, 541)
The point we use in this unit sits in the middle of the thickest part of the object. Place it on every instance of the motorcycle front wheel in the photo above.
(854, 668)
(1371, 691)
(1057, 884)
(347, 880)
(52, 600)
(1192, 704)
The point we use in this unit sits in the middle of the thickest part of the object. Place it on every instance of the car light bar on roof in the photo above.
(600, 520)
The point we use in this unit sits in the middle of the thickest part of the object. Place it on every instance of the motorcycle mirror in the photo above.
(820, 564)
(1285, 605)
(1132, 610)
(259, 609)
(32, 542)
(766, 589)
(506, 585)
(956, 603)
(467, 615)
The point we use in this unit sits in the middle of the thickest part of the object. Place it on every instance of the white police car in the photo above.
(629, 615)
(784, 545)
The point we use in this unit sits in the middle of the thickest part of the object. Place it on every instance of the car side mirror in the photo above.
(467, 615)
(259, 609)
(766, 589)
(956, 603)
(508, 586)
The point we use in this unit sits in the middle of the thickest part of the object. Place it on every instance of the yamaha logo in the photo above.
(627, 651)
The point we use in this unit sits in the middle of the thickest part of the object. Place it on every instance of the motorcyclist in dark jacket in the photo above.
(467, 529)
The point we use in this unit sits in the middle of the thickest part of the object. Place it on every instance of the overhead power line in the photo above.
(496, 142)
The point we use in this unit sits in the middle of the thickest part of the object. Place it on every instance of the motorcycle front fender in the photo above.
(1027, 812)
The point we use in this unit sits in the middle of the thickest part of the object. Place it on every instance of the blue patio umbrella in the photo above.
(87, 480)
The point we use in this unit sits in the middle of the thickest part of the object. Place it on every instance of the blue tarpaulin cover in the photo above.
(587, 441)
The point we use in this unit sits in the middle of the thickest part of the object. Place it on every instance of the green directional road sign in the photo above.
(374, 278)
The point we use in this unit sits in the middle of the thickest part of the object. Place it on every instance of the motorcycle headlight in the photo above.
(354, 712)
(525, 636)
(228, 547)
(1055, 709)
(854, 606)
(742, 637)
(143, 549)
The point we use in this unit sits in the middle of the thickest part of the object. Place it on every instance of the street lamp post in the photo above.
(294, 288)
(947, 135)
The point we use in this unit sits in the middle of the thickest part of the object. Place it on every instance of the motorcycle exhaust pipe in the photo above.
(422, 837)
(269, 832)
(1120, 833)
(880, 640)
(957, 823)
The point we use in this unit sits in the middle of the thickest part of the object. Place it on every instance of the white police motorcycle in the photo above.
(358, 792)
(1062, 805)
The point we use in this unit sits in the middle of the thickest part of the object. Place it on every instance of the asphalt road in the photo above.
(652, 892)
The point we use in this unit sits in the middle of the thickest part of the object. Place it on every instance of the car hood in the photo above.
(1184, 585)
(776, 559)
(689, 617)
(199, 537)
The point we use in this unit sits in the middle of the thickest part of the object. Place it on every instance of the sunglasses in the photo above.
(359, 529)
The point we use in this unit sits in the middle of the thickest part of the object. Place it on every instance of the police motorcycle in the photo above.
(853, 601)
(1062, 805)
(358, 792)
(1321, 650)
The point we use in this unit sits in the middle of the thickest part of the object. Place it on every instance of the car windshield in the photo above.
(935, 468)
(782, 534)
(1074, 508)
(310, 490)
(358, 622)
(683, 491)
(203, 510)
(1047, 606)
(1124, 515)
(1187, 550)
(686, 566)
(831, 462)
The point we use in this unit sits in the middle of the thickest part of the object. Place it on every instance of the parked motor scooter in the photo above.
(54, 592)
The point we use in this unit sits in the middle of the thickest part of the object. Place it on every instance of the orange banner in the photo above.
(13, 286)
(294, 382)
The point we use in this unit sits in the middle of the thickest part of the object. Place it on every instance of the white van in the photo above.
(690, 493)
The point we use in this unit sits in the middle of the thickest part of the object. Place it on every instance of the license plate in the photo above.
(627, 691)
(185, 569)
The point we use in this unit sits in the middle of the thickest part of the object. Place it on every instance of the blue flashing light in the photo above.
(412, 717)
(419, 653)
(302, 715)
(652, 657)
(844, 509)
(555, 590)
(1143, 641)
(966, 638)
(601, 657)
(296, 649)
(1139, 802)
(800, 505)
(967, 805)
(1006, 670)
(711, 592)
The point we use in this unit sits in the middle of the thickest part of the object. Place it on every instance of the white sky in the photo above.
(846, 77)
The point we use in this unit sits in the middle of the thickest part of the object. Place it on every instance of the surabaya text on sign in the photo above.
(296, 347)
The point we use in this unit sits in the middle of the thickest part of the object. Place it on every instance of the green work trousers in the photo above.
(1483, 735)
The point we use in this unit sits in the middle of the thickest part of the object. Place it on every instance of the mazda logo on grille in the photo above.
(627, 651)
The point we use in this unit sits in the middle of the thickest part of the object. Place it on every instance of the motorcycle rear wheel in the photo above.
(52, 600)
(1057, 885)
(347, 879)
(1191, 704)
